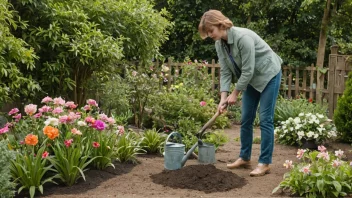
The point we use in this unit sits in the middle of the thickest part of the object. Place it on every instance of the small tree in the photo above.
(343, 112)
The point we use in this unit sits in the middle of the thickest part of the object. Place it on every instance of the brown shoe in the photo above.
(261, 170)
(239, 163)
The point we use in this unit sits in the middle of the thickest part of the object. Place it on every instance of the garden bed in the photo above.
(143, 179)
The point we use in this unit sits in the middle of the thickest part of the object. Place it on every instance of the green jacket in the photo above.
(254, 57)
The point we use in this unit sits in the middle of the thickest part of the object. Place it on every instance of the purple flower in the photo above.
(99, 125)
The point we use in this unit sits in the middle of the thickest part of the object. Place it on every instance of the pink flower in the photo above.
(44, 109)
(4, 130)
(92, 102)
(324, 155)
(121, 130)
(111, 120)
(89, 119)
(70, 105)
(351, 163)
(13, 111)
(336, 163)
(8, 124)
(339, 153)
(99, 125)
(203, 103)
(37, 115)
(58, 110)
(30, 109)
(68, 142)
(45, 154)
(96, 144)
(17, 117)
(87, 108)
(321, 148)
(103, 117)
(75, 131)
(288, 164)
(47, 99)
(59, 101)
(306, 169)
(300, 153)
(21, 142)
(63, 119)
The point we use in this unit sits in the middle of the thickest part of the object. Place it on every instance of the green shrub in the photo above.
(152, 141)
(286, 108)
(6, 187)
(343, 112)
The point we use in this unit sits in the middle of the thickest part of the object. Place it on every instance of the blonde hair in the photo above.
(213, 18)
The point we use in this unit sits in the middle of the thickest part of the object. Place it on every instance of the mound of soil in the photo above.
(206, 178)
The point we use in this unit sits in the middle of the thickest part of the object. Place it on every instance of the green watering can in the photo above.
(174, 153)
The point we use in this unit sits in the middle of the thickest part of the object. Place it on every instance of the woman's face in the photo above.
(216, 33)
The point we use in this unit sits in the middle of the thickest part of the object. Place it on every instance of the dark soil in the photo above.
(206, 178)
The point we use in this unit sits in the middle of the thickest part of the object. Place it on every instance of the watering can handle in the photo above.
(173, 134)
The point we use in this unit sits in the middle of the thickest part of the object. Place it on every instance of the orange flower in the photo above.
(31, 139)
(51, 132)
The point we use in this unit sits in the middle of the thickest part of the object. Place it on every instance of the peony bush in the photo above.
(306, 126)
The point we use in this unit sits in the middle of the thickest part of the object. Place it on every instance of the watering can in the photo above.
(175, 157)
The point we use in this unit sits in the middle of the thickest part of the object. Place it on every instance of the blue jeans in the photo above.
(250, 100)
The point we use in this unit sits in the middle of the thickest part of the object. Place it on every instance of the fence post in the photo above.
(169, 62)
(297, 83)
(311, 81)
(331, 81)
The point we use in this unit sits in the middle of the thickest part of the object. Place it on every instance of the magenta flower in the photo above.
(47, 99)
(203, 103)
(17, 117)
(99, 125)
(4, 130)
(68, 142)
(13, 111)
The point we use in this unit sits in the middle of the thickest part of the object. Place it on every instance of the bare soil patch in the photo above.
(149, 178)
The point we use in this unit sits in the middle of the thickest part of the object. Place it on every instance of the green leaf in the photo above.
(32, 191)
(337, 186)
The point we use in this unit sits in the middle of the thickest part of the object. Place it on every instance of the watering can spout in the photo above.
(189, 153)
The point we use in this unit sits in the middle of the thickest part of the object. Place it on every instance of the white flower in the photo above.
(285, 131)
(319, 115)
(284, 127)
(301, 114)
(300, 134)
(81, 123)
(297, 120)
(339, 153)
(298, 126)
(310, 134)
(316, 136)
(51, 121)
(291, 128)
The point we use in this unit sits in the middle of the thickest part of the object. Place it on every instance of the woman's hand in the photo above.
(232, 99)
(222, 106)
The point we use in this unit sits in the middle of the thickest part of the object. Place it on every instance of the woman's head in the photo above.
(213, 19)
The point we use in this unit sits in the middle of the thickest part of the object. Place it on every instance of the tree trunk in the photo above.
(321, 49)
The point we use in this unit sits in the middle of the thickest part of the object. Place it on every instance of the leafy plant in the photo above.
(29, 170)
(217, 138)
(257, 140)
(103, 153)
(128, 147)
(318, 174)
(152, 141)
(306, 126)
(342, 114)
(7, 186)
(70, 162)
(291, 108)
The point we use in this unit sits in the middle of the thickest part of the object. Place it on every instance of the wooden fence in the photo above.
(324, 85)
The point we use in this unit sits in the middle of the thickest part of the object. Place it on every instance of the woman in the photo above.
(244, 56)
